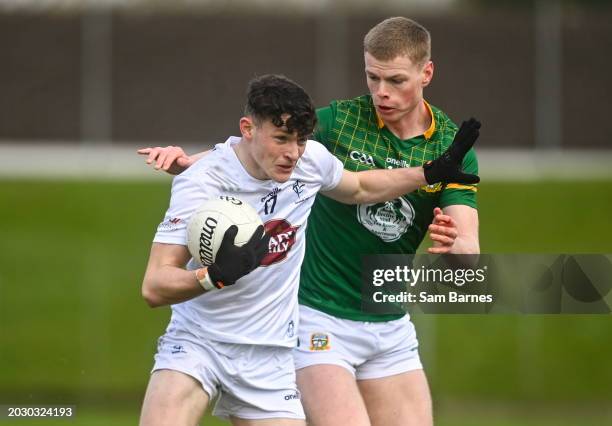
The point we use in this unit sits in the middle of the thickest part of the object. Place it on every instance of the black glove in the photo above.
(447, 167)
(233, 262)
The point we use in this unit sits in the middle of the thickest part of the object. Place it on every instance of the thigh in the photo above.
(331, 397)
(173, 398)
(398, 400)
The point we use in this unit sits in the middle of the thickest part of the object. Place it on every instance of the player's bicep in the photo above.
(346, 189)
(173, 255)
(466, 218)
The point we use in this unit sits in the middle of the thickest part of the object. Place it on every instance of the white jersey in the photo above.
(261, 307)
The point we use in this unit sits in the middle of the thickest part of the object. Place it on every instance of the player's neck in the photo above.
(413, 123)
(248, 162)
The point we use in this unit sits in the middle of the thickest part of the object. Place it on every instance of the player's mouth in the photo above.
(285, 168)
(384, 109)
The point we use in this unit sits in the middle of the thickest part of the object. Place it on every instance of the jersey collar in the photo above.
(428, 133)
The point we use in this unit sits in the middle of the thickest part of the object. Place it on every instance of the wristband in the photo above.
(203, 278)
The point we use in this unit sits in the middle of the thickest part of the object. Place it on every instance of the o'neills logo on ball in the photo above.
(282, 238)
(206, 234)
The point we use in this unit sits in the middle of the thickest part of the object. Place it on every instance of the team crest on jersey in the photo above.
(387, 220)
(319, 342)
(282, 238)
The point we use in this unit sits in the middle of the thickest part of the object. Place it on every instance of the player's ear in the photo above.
(427, 73)
(246, 127)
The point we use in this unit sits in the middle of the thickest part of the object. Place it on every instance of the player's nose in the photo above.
(381, 90)
(293, 152)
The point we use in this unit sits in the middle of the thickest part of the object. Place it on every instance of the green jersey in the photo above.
(338, 235)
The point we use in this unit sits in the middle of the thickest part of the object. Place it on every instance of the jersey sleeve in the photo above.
(187, 196)
(329, 168)
(325, 120)
(463, 194)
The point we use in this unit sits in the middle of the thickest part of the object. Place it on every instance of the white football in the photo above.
(210, 221)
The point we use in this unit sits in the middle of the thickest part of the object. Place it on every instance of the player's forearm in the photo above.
(166, 285)
(384, 185)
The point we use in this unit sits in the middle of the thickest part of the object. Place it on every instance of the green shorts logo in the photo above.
(388, 220)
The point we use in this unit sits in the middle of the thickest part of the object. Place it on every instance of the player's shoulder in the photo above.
(213, 164)
(314, 159)
(215, 158)
(357, 112)
(314, 151)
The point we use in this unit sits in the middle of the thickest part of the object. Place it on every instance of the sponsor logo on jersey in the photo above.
(170, 224)
(398, 163)
(387, 220)
(231, 199)
(178, 349)
(270, 200)
(319, 342)
(362, 158)
(294, 395)
(282, 238)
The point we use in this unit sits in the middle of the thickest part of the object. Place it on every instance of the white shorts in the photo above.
(251, 381)
(369, 350)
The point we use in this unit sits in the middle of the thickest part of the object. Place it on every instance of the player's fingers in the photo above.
(443, 230)
(442, 239)
(442, 219)
(451, 222)
(437, 211)
(255, 237)
(230, 235)
(161, 158)
(466, 178)
(144, 151)
(438, 250)
(170, 158)
(262, 248)
(153, 153)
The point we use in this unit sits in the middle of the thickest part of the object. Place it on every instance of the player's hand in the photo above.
(447, 167)
(443, 232)
(171, 159)
(233, 262)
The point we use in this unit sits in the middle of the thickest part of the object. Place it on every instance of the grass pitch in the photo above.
(74, 329)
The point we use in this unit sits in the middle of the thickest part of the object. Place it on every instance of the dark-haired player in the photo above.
(234, 324)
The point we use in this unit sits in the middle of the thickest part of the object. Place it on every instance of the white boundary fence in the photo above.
(106, 162)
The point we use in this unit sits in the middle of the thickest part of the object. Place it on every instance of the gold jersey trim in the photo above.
(428, 133)
(459, 186)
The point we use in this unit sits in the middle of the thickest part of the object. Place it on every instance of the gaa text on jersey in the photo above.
(362, 158)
